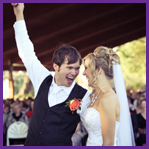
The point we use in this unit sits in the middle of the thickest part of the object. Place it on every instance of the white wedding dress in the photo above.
(92, 123)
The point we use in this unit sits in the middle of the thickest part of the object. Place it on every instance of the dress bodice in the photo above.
(92, 123)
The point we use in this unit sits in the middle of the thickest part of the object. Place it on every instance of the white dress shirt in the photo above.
(37, 72)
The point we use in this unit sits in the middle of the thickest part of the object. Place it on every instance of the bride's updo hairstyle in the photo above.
(104, 58)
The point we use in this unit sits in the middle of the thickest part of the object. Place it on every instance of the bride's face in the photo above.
(87, 73)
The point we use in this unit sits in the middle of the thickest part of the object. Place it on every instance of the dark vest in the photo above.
(52, 126)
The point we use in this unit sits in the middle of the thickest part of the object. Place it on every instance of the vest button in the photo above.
(44, 121)
(48, 110)
(40, 132)
(38, 143)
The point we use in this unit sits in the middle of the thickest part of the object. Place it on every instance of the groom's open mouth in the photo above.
(70, 79)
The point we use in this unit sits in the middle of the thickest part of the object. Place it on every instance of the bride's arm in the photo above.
(108, 121)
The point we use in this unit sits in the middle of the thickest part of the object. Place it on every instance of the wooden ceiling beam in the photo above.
(15, 68)
(90, 26)
(93, 35)
(86, 50)
(81, 42)
(33, 30)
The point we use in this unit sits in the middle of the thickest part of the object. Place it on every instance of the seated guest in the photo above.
(139, 98)
(6, 110)
(17, 100)
(30, 112)
(141, 141)
(133, 115)
(28, 100)
(17, 115)
(24, 107)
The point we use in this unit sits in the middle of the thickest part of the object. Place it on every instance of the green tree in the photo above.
(133, 63)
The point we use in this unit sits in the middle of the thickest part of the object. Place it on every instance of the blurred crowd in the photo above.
(22, 111)
(14, 111)
(137, 107)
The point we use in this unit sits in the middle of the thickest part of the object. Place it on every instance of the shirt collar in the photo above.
(66, 89)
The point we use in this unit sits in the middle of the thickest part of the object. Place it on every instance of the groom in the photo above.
(52, 123)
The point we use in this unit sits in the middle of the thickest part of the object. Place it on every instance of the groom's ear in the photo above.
(56, 67)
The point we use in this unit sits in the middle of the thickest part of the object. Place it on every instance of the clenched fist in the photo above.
(18, 10)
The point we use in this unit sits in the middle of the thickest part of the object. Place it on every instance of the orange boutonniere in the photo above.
(74, 104)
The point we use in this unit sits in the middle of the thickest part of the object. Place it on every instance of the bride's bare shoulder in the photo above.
(109, 100)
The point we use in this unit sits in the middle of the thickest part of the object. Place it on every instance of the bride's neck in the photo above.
(102, 85)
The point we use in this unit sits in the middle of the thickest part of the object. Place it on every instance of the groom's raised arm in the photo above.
(36, 71)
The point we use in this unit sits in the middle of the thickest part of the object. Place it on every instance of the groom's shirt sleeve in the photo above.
(36, 71)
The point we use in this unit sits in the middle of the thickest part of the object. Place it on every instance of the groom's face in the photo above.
(67, 73)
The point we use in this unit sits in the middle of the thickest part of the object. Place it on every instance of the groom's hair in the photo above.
(66, 52)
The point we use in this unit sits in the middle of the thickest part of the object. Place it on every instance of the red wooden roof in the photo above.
(84, 26)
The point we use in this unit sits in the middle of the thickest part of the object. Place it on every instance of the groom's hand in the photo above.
(18, 10)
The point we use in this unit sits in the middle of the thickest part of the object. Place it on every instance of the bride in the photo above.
(106, 118)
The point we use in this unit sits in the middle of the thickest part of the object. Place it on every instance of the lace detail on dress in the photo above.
(92, 123)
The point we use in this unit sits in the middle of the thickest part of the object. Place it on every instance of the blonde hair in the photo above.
(102, 57)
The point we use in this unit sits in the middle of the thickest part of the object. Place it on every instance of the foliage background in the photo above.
(133, 63)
